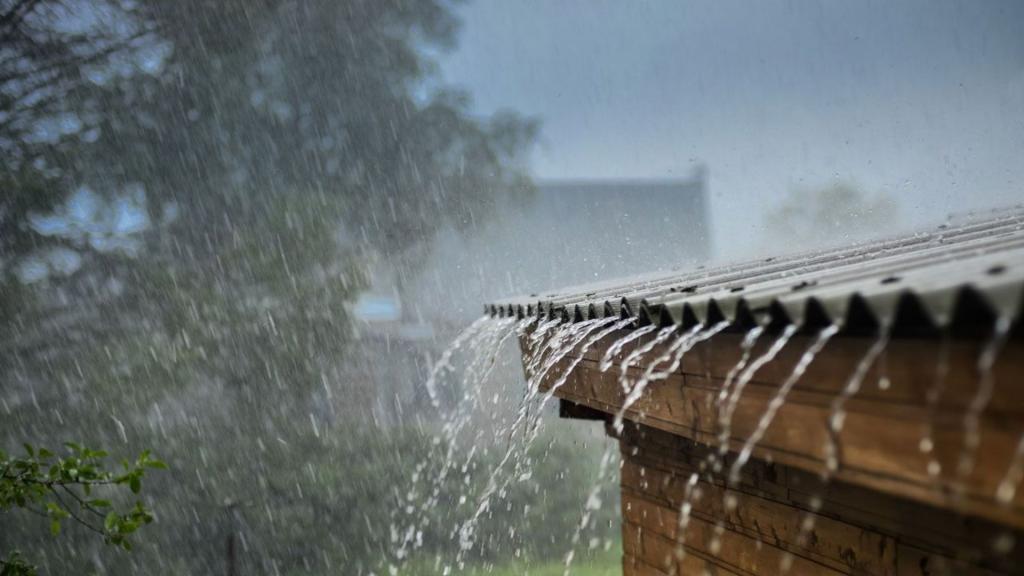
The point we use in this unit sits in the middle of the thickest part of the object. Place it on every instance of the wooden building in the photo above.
(896, 449)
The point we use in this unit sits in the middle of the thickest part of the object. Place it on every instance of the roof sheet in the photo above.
(964, 274)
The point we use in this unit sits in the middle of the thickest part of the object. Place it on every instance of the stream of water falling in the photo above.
(632, 359)
(684, 342)
(834, 425)
(837, 409)
(691, 491)
(564, 377)
(616, 347)
(577, 337)
(443, 363)
(674, 355)
(482, 342)
(776, 403)
(932, 398)
(726, 414)
(547, 343)
(726, 397)
(1008, 486)
(779, 399)
(746, 347)
(593, 501)
(981, 399)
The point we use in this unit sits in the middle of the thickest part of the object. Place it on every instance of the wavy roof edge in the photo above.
(962, 275)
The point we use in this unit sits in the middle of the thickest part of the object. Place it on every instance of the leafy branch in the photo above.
(60, 488)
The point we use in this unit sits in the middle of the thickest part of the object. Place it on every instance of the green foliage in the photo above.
(60, 488)
(15, 565)
(598, 563)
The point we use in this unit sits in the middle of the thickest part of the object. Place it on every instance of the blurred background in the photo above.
(241, 232)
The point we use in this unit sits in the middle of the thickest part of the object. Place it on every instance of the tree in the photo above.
(51, 50)
(277, 146)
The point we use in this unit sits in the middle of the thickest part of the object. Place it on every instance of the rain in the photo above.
(441, 287)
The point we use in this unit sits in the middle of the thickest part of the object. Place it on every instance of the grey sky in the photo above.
(922, 100)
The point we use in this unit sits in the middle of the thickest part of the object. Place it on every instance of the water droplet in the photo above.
(1004, 543)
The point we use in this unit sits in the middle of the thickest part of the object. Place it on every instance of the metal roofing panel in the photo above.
(919, 278)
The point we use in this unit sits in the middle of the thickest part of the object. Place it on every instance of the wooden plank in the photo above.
(910, 365)
(694, 563)
(840, 546)
(879, 444)
(657, 465)
(916, 562)
(733, 549)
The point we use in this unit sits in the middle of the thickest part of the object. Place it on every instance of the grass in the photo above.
(602, 563)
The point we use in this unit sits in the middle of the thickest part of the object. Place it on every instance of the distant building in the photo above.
(570, 232)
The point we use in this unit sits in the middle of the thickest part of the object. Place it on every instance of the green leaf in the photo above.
(99, 503)
(110, 521)
(55, 527)
(135, 484)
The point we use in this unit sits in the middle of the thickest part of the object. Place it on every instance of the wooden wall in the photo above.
(879, 444)
(883, 512)
(855, 531)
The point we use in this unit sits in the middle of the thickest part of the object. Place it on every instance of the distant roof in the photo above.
(967, 273)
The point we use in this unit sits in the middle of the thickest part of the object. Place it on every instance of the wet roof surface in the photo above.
(960, 275)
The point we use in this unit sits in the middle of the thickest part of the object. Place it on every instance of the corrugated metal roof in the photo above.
(963, 274)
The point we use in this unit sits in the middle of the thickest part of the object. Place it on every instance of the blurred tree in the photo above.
(51, 50)
(257, 153)
(836, 214)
